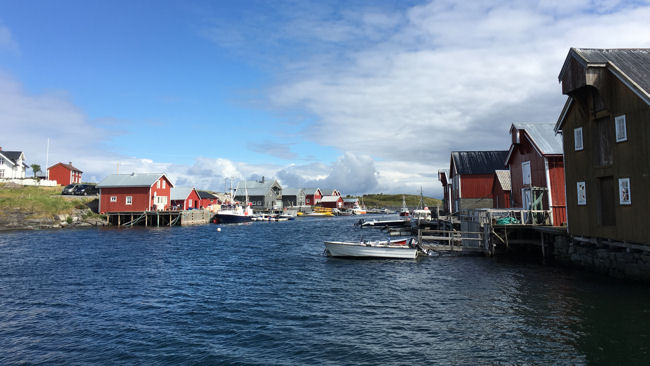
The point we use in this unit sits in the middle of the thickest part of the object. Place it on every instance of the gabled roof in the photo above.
(443, 175)
(13, 156)
(630, 65)
(541, 135)
(292, 191)
(180, 193)
(330, 198)
(503, 176)
(132, 180)
(206, 195)
(312, 190)
(67, 166)
(478, 162)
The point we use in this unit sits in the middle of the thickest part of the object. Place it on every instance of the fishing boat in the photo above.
(404, 211)
(421, 214)
(234, 212)
(398, 249)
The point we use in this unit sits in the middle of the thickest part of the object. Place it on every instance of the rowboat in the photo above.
(399, 248)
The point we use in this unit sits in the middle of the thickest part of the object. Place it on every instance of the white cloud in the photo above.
(6, 40)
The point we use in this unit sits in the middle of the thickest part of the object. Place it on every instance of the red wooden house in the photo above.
(535, 161)
(333, 201)
(472, 174)
(64, 174)
(312, 196)
(207, 199)
(501, 189)
(184, 198)
(135, 192)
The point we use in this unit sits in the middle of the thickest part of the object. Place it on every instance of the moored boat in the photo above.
(397, 249)
(234, 213)
(404, 211)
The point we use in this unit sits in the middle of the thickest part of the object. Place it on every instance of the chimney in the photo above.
(70, 163)
(0, 148)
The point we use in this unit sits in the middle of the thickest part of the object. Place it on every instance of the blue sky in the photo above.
(367, 96)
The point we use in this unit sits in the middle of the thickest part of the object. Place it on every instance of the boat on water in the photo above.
(234, 212)
(383, 223)
(397, 249)
(421, 213)
(404, 211)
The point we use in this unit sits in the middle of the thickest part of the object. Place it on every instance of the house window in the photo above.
(129, 200)
(2, 161)
(621, 129)
(158, 184)
(624, 196)
(582, 194)
(163, 184)
(189, 202)
(2, 173)
(113, 198)
(308, 200)
(525, 172)
(577, 138)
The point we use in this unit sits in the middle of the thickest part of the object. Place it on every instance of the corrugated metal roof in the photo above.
(543, 136)
(350, 200)
(311, 190)
(478, 162)
(206, 195)
(292, 191)
(251, 192)
(330, 198)
(180, 193)
(634, 63)
(503, 176)
(130, 180)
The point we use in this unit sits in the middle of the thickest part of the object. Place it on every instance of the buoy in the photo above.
(219, 229)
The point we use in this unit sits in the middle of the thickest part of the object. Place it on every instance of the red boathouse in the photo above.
(135, 192)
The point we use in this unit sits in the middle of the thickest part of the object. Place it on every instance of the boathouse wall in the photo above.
(139, 199)
(603, 162)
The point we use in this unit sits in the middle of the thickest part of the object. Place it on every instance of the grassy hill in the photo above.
(38, 202)
(395, 201)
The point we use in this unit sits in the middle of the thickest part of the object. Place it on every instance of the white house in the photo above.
(12, 164)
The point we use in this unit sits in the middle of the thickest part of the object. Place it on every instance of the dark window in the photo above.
(603, 138)
(607, 201)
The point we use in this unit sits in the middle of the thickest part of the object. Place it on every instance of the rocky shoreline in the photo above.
(12, 220)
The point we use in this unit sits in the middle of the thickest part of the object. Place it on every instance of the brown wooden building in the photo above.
(537, 169)
(443, 178)
(605, 124)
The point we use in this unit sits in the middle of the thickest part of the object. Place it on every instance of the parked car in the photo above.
(85, 190)
(69, 189)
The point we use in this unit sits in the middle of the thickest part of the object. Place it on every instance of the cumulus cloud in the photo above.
(6, 40)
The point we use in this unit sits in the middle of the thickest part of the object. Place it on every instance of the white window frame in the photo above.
(129, 200)
(163, 183)
(2, 161)
(578, 142)
(158, 184)
(526, 173)
(2, 173)
(624, 192)
(582, 193)
(620, 125)
(113, 198)
(189, 202)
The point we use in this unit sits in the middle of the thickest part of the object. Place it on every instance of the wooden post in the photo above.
(157, 219)
(146, 219)
(419, 237)
(543, 250)
(118, 220)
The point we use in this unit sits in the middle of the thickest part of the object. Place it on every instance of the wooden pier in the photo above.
(158, 218)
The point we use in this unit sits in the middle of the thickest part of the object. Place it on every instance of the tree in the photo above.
(35, 168)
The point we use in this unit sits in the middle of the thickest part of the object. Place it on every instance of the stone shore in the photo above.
(20, 220)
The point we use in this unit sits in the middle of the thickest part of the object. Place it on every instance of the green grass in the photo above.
(38, 201)
(395, 200)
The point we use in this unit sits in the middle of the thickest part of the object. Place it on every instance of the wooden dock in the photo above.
(159, 218)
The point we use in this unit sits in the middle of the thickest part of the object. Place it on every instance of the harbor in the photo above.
(265, 290)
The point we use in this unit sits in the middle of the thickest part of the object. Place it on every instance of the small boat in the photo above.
(421, 214)
(399, 249)
(234, 213)
(383, 223)
(404, 211)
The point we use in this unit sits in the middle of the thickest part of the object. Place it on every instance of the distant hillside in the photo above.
(395, 201)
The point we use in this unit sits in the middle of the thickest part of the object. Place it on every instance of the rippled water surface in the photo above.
(264, 293)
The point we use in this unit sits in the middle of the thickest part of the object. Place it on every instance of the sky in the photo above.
(363, 96)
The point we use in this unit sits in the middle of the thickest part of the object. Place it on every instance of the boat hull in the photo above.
(230, 219)
(367, 250)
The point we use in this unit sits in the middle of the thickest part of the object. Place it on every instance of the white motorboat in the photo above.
(399, 249)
